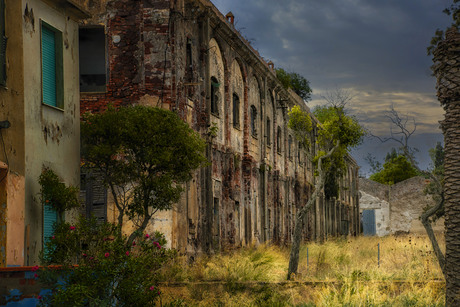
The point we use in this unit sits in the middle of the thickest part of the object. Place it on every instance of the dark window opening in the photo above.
(278, 140)
(214, 96)
(236, 111)
(93, 71)
(299, 155)
(189, 62)
(269, 140)
(290, 147)
(253, 121)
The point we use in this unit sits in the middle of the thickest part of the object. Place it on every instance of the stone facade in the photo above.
(187, 57)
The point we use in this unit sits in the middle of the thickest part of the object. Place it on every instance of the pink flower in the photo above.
(152, 288)
(157, 245)
(39, 297)
(91, 258)
(35, 268)
(147, 236)
(72, 227)
(127, 253)
(84, 255)
(53, 237)
(35, 275)
(106, 255)
(134, 243)
(159, 292)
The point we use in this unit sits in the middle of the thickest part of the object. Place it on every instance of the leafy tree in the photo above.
(437, 159)
(296, 82)
(395, 169)
(97, 267)
(143, 154)
(337, 133)
(56, 193)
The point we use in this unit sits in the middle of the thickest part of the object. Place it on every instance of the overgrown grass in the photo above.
(340, 272)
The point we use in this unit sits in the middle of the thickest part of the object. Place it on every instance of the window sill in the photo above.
(236, 128)
(215, 115)
(53, 107)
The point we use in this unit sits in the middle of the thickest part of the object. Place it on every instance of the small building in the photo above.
(394, 209)
(39, 118)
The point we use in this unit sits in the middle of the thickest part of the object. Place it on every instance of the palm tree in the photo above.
(447, 71)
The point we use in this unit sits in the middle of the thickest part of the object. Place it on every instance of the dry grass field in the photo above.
(340, 272)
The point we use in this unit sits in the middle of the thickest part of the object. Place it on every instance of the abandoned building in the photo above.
(395, 209)
(39, 118)
(184, 55)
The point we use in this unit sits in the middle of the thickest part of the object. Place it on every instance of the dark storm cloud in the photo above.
(376, 49)
(365, 44)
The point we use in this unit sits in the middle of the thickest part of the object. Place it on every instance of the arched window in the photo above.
(278, 140)
(268, 132)
(215, 96)
(253, 121)
(236, 111)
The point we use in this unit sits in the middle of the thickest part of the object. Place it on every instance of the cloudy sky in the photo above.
(376, 49)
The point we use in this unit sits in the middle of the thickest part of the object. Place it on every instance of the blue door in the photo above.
(369, 222)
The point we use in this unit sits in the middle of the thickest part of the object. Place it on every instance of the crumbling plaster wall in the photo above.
(398, 207)
(251, 191)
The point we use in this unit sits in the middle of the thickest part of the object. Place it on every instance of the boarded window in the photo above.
(93, 71)
(93, 194)
(52, 69)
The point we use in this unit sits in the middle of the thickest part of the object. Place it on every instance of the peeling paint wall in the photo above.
(184, 56)
(39, 135)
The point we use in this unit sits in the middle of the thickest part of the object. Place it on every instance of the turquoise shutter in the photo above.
(49, 66)
(49, 219)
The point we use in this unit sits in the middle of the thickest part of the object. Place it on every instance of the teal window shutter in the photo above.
(49, 85)
(50, 218)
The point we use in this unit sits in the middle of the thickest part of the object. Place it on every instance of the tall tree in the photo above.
(143, 154)
(337, 133)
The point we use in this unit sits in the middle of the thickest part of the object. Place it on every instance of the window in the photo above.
(93, 74)
(299, 153)
(188, 60)
(290, 147)
(52, 69)
(236, 111)
(268, 132)
(214, 96)
(278, 140)
(2, 44)
(50, 217)
(253, 121)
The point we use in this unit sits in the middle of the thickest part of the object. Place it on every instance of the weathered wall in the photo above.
(168, 54)
(39, 135)
(398, 207)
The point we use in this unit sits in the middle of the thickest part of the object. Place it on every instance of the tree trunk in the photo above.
(447, 63)
(300, 217)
